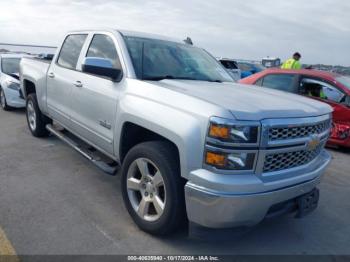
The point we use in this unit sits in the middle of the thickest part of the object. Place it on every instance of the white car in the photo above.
(10, 92)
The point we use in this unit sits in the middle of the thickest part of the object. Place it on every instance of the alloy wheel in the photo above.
(31, 115)
(146, 189)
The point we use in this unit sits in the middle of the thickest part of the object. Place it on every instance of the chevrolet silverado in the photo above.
(192, 144)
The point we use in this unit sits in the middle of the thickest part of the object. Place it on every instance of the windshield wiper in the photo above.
(158, 78)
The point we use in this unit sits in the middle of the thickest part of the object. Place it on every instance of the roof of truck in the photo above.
(131, 33)
(149, 35)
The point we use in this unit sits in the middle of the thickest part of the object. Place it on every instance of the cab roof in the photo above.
(149, 35)
(129, 33)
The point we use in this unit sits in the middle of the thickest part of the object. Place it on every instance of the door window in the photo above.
(283, 82)
(102, 46)
(321, 89)
(70, 51)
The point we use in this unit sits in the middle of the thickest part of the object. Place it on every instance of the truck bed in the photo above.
(33, 71)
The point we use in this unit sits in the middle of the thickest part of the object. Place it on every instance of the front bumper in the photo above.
(215, 209)
(13, 98)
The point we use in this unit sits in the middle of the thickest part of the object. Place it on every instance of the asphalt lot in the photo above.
(53, 201)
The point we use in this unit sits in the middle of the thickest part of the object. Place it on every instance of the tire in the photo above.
(3, 102)
(163, 184)
(35, 119)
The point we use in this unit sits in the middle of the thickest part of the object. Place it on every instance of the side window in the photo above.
(320, 89)
(70, 51)
(102, 46)
(283, 82)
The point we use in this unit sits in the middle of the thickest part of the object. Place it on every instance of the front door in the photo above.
(94, 98)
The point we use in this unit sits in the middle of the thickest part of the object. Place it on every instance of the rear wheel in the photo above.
(152, 188)
(36, 120)
(3, 102)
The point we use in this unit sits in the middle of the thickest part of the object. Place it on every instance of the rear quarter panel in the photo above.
(35, 71)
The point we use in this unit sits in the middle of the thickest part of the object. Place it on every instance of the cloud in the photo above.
(230, 28)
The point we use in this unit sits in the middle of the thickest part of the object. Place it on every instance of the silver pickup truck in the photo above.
(191, 144)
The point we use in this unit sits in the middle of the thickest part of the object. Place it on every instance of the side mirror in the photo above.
(101, 67)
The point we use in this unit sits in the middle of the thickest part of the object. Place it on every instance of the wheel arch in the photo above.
(133, 134)
(28, 87)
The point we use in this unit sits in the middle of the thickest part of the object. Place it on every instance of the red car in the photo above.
(327, 87)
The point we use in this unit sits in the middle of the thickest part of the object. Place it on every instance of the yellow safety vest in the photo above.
(322, 94)
(291, 64)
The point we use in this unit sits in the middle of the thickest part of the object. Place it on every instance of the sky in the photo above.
(241, 29)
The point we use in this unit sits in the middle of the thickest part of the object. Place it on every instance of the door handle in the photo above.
(78, 84)
(51, 75)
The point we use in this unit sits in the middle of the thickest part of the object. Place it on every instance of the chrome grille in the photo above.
(293, 132)
(281, 161)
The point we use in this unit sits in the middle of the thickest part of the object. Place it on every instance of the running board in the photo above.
(110, 169)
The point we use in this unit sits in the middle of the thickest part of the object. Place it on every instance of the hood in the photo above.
(249, 102)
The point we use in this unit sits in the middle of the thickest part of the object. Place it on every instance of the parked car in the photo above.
(327, 87)
(190, 142)
(10, 92)
(249, 68)
(270, 62)
(231, 67)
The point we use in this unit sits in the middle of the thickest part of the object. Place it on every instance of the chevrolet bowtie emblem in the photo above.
(313, 143)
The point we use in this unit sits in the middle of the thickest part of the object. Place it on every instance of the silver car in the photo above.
(10, 92)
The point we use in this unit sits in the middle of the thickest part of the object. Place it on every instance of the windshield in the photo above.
(10, 65)
(345, 80)
(157, 59)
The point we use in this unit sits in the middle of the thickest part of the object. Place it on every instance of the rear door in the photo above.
(94, 101)
(61, 76)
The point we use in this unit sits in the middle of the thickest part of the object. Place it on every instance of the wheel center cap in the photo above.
(149, 187)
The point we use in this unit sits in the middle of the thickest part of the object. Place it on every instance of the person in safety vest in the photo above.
(315, 90)
(292, 63)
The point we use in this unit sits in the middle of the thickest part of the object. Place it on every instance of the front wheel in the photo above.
(36, 120)
(152, 188)
(3, 102)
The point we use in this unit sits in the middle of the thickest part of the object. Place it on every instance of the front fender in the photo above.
(185, 130)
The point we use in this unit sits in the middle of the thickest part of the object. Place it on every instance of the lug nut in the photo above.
(151, 195)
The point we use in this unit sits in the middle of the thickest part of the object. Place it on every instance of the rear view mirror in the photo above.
(101, 67)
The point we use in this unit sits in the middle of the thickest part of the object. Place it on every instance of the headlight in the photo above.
(230, 161)
(240, 132)
(13, 86)
(232, 145)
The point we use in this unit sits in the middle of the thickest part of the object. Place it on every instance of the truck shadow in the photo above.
(344, 150)
(17, 111)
